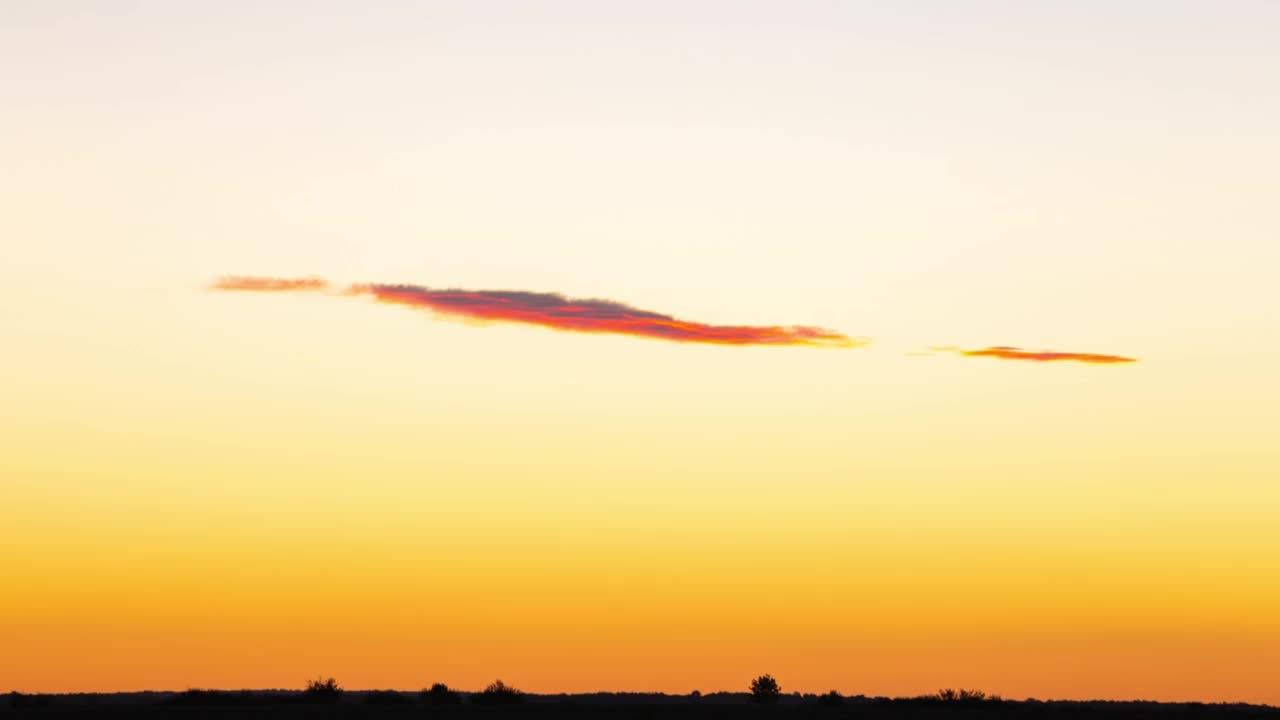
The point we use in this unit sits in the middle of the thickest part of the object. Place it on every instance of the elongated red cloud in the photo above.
(264, 284)
(558, 312)
(1005, 352)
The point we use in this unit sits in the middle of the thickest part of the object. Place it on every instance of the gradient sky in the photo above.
(223, 489)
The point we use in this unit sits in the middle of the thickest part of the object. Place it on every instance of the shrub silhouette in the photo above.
(765, 689)
(963, 695)
(21, 700)
(198, 696)
(322, 691)
(440, 694)
(385, 697)
(831, 698)
(498, 693)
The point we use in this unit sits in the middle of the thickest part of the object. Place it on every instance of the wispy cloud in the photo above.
(1004, 352)
(267, 284)
(558, 312)
(552, 310)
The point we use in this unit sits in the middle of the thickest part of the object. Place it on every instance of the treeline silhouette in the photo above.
(327, 691)
(762, 689)
(764, 697)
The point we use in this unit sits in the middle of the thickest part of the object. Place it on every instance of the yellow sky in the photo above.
(231, 490)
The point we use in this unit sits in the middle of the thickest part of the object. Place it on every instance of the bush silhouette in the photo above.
(385, 697)
(831, 698)
(765, 689)
(20, 700)
(197, 696)
(498, 693)
(962, 695)
(440, 694)
(322, 691)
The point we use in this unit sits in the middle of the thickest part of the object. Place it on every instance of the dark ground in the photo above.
(395, 705)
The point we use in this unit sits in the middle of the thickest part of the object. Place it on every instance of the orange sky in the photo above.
(250, 489)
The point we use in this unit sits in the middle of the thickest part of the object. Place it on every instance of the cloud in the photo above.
(265, 284)
(552, 310)
(1004, 352)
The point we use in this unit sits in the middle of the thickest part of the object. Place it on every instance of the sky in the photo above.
(412, 473)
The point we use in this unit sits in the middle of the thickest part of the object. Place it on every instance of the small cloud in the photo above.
(267, 284)
(1005, 352)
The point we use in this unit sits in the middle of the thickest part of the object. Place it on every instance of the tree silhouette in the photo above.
(440, 694)
(765, 689)
(322, 691)
(498, 693)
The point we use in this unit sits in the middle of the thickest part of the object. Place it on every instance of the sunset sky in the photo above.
(641, 346)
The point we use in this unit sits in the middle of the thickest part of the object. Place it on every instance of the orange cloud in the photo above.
(558, 312)
(1005, 352)
(264, 284)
